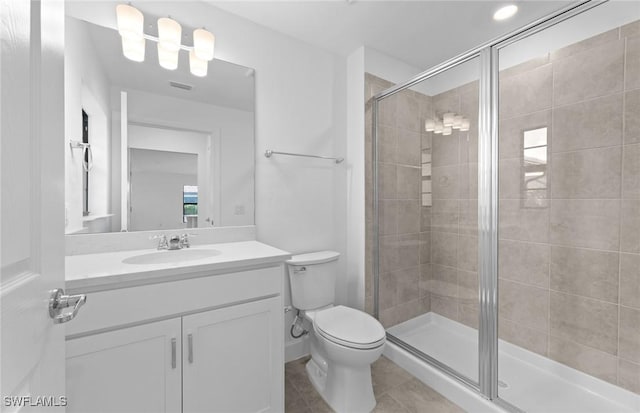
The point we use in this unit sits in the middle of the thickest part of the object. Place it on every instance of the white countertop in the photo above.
(105, 271)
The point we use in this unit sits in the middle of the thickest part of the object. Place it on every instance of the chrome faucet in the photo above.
(176, 242)
(184, 241)
(163, 243)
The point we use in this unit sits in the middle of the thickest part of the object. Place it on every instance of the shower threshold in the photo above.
(528, 380)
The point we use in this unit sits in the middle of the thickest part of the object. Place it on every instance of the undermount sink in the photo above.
(171, 256)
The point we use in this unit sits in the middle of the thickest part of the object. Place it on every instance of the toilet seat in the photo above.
(349, 327)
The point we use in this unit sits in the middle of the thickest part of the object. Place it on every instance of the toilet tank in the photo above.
(313, 279)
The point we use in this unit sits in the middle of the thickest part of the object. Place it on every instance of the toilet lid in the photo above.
(349, 327)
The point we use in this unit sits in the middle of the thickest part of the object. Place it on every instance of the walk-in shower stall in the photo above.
(504, 203)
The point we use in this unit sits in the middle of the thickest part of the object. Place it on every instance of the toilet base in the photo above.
(349, 391)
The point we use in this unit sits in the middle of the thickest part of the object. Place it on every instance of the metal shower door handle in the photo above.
(58, 301)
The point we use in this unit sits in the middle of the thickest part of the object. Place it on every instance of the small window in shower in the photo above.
(534, 168)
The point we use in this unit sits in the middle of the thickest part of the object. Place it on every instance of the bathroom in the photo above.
(487, 255)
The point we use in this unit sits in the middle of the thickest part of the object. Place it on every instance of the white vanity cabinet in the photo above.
(206, 344)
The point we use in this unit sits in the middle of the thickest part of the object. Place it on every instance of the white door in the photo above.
(31, 203)
(233, 359)
(136, 369)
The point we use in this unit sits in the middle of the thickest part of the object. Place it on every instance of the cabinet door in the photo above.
(233, 359)
(127, 370)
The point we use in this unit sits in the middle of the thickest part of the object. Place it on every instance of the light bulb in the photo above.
(505, 12)
(447, 119)
(464, 125)
(446, 131)
(130, 22)
(457, 122)
(133, 49)
(167, 58)
(429, 125)
(203, 44)
(197, 66)
(438, 128)
(169, 34)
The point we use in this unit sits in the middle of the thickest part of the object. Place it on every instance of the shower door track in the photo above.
(487, 385)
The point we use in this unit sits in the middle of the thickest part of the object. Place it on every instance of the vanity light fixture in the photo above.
(130, 27)
(447, 123)
(505, 12)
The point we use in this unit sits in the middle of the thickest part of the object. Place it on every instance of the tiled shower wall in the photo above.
(570, 262)
(403, 225)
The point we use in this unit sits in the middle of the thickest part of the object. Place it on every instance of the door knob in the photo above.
(58, 302)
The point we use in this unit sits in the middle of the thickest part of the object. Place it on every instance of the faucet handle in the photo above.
(184, 240)
(163, 244)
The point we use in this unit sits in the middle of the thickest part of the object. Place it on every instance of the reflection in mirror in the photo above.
(150, 148)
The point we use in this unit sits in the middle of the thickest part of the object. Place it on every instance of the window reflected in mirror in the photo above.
(534, 176)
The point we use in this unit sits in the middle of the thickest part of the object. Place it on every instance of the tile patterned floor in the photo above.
(396, 391)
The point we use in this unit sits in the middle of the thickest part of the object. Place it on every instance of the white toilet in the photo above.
(344, 341)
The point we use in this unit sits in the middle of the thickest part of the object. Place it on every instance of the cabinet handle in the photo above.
(190, 345)
(173, 353)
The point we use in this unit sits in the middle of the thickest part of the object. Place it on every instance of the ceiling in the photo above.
(420, 33)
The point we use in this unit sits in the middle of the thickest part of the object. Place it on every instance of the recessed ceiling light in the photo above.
(505, 12)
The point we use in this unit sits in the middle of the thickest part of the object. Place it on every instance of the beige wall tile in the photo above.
(448, 101)
(524, 67)
(517, 222)
(597, 363)
(408, 216)
(468, 146)
(409, 148)
(468, 253)
(524, 262)
(632, 64)
(408, 112)
(443, 282)
(444, 215)
(445, 182)
(524, 304)
(388, 253)
(426, 275)
(520, 335)
(408, 182)
(445, 306)
(584, 45)
(445, 149)
(526, 93)
(407, 281)
(469, 315)
(597, 71)
(629, 334)
(630, 226)
(589, 124)
(468, 217)
(510, 179)
(425, 247)
(387, 111)
(630, 30)
(408, 250)
(444, 248)
(388, 144)
(630, 280)
(589, 273)
(388, 180)
(388, 213)
(586, 321)
(468, 288)
(585, 223)
(425, 218)
(591, 173)
(631, 118)
(512, 132)
(388, 290)
(629, 375)
(468, 185)
(631, 172)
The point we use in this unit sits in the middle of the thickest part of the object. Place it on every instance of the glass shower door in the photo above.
(426, 194)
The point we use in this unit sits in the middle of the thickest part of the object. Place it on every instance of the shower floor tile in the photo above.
(396, 391)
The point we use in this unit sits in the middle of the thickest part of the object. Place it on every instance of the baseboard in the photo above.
(295, 349)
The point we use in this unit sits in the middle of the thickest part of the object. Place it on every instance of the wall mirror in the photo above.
(149, 148)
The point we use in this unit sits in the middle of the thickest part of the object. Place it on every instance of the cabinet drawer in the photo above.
(128, 306)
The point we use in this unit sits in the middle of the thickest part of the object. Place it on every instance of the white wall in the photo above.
(300, 107)
(86, 86)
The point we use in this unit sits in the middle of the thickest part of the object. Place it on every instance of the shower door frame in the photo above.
(487, 385)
